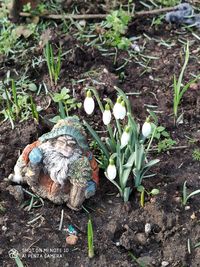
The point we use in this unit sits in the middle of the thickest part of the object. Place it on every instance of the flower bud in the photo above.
(125, 137)
(89, 103)
(107, 115)
(111, 170)
(146, 128)
(123, 110)
(119, 109)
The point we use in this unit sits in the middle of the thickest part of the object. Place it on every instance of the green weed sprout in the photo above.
(18, 262)
(34, 202)
(67, 102)
(196, 154)
(117, 23)
(54, 66)
(125, 149)
(166, 144)
(34, 111)
(191, 246)
(186, 197)
(18, 105)
(178, 90)
(142, 191)
(8, 37)
(90, 238)
(140, 263)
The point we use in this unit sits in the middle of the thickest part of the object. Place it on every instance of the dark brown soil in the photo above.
(118, 228)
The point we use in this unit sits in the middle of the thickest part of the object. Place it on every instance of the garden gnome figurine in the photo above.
(59, 166)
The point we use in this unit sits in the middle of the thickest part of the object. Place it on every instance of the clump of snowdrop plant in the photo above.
(126, 146)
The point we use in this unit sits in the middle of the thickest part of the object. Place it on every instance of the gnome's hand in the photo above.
(77, 196)
(35, 156)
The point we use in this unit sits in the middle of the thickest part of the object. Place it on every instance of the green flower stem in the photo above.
(111, 137)
(121, 176)
(152, 136)
(102, 111)
(142, 198)
(97, 98)
(119, 128)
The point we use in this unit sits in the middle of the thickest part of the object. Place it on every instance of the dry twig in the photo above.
(97, 16)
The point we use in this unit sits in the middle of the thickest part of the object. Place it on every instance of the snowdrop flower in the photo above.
(119, 109)
(88, 103)
(123, 110)
(111, 170)
(125, 137)
(107, 115)
(146, 128)
(116, 108)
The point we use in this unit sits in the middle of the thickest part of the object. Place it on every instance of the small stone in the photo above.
(187, 207)
(105, 71)
(4, 228)
(71, 240)
(135, 47)
(164, 263)
(110, 201)
(177, 199)
(195, 51)
(193, 216)
(147, 228)
(17, 192)
(141, 238)
(111, 228)
(153, 200)
(194, 86)
(82, 23)
(117, 244)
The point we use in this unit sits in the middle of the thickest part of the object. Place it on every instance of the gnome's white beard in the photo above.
(55, 164)
(56, 161)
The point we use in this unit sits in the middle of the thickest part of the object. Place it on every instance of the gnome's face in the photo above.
(56, 157)
(64, 145)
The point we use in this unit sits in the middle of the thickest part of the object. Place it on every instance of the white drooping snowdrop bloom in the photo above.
(107, 115)
(111, 170)
(119, 109)
(125, 137)
(123, 110)
(146, 128)
(116, 108)
(88, 103)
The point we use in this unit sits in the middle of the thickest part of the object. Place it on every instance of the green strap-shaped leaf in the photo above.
(97, 139)
(151, 163)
